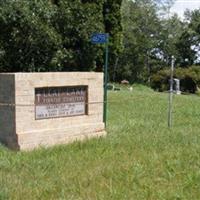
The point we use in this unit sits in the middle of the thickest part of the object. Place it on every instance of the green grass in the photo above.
(139, 159)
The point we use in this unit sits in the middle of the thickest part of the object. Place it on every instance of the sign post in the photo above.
(103, 38)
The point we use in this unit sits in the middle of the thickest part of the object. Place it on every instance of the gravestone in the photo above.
(43, 109)
(177, 86)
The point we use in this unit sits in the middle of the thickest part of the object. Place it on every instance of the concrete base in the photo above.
(47, 138)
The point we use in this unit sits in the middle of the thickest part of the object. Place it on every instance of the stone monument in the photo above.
(43, 109)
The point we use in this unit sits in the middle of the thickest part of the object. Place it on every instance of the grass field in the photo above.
(139, 159)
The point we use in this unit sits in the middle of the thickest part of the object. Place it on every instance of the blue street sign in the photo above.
(99, 38)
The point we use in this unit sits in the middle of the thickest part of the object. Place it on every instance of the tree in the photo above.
(113, 26)
(151, 35)
(141, 37)
(171, 31)
(188, 45)
(54, 35)
(75, 22)
(28, 39)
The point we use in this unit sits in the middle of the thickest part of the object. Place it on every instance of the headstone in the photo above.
(44, 109)
(177, 86)
(125, 82)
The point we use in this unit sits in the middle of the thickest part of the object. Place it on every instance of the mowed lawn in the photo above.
(139, 159)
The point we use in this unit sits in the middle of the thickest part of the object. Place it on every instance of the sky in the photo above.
(181, 5)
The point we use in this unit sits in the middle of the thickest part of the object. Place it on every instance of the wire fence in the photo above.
(124, 100)
(87, 103)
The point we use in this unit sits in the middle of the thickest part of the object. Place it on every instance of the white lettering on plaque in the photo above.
(60, 102)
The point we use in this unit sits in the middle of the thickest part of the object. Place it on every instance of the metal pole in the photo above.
(105, 82)
(171, 94)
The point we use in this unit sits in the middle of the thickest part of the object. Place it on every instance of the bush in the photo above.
(189, 79)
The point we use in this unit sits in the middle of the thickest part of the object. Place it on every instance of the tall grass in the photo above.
(139, 159)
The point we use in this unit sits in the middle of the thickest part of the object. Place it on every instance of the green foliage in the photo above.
(189, 79)
(171, 31)
(160, 80)
(54, 35)
(149, 39)
(186, 55)
(28, 39)
(75, 22)
(194, 21)
(188, 43)
(47, 35)
(113, 26)
(140, 29)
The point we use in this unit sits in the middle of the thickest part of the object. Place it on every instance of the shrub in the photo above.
(160, 80)
(189, 79)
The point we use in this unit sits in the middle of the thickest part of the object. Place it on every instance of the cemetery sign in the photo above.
(53, 102)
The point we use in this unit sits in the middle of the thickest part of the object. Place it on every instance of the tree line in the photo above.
(152, 34)
(54, 35)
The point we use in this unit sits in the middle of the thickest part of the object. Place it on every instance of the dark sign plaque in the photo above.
(53, 102)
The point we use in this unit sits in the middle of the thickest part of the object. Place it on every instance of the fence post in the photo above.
(171, 93)
(106, 82)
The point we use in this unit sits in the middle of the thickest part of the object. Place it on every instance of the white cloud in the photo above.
(181, 5)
